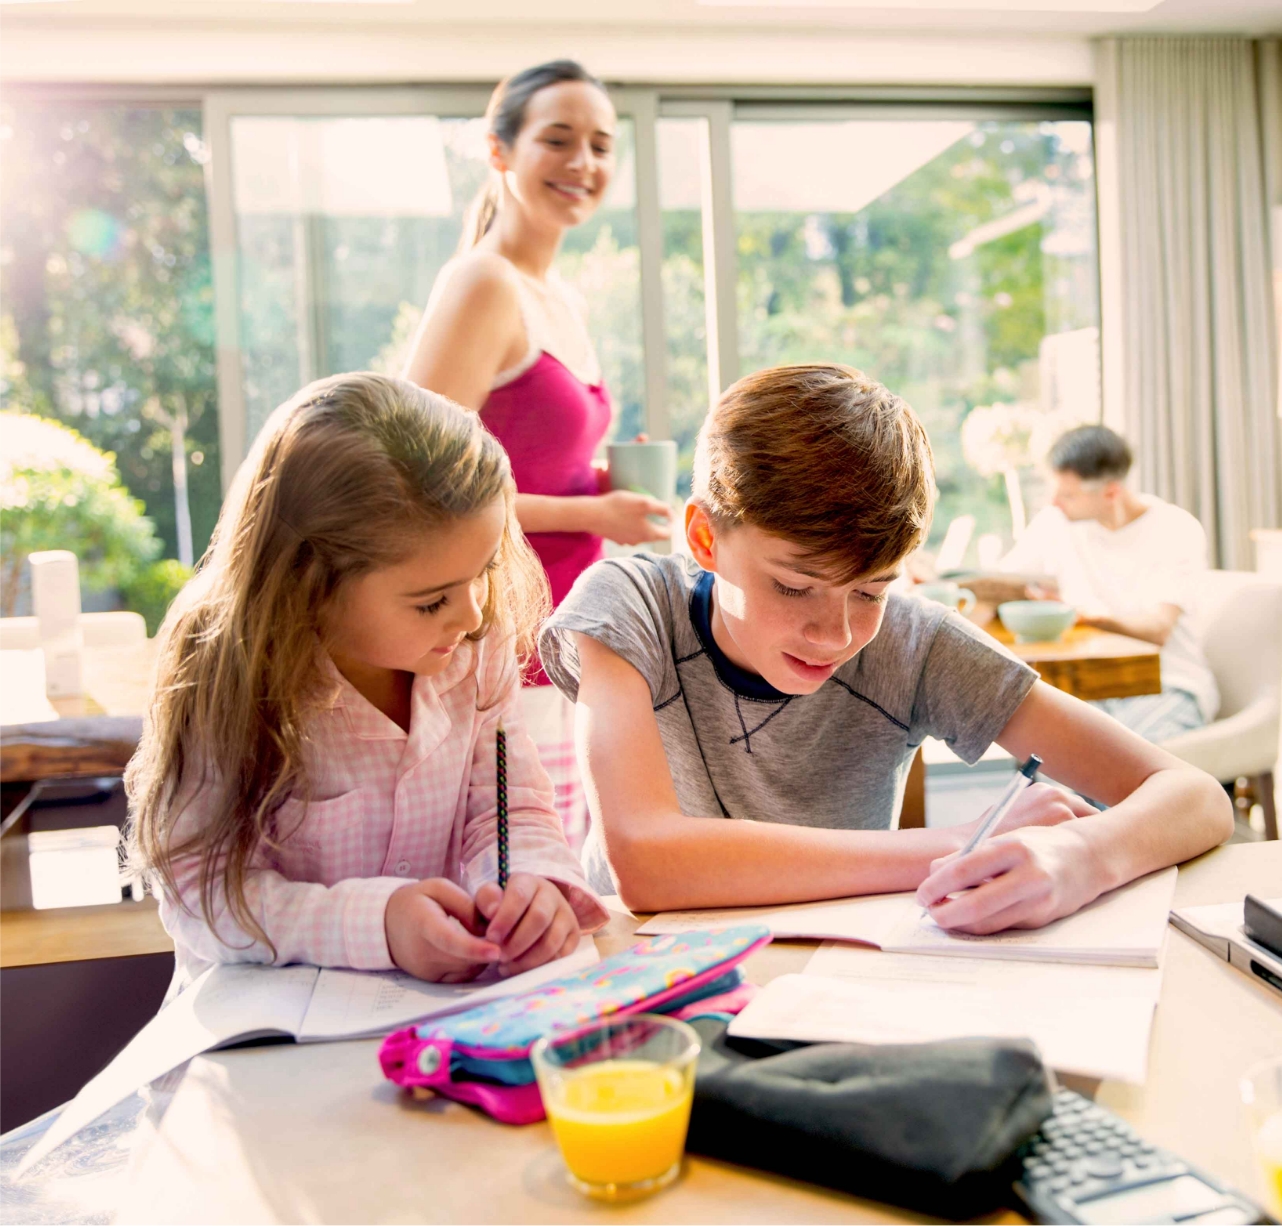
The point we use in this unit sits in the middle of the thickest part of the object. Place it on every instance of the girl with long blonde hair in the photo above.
(316, 779)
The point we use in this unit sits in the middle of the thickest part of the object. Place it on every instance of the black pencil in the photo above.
(500, 770)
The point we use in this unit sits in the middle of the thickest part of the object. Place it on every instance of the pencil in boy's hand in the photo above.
(500, 768)
(1023, 777)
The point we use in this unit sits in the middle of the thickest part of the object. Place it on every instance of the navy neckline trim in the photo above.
(747, 684)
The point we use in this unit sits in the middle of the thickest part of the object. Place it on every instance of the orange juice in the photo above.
(621, 1121)
(1268, 1147)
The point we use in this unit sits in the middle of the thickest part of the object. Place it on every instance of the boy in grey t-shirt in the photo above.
(775, 679)
(738, 747)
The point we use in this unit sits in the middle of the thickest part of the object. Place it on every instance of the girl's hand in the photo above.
(624, 517)
(531, 922)
(1023, 880)
(435, 932)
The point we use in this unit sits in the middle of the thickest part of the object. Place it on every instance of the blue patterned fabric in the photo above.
(651, 968)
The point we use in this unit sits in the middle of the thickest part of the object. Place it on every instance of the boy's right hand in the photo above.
(433, 932)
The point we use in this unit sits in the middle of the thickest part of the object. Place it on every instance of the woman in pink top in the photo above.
(503, 334)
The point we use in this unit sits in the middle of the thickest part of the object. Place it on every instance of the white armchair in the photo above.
(1241, 624)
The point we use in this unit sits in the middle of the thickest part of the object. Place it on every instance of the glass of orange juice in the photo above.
(618, 1098)
(1262, 1094)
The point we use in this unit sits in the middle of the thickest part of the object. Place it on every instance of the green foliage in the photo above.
(58, 491)
(107, 286)
(152, 590)
(893, 291)
(392, 356)
(607, 273)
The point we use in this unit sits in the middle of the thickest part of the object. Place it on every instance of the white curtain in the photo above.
(1195, 157)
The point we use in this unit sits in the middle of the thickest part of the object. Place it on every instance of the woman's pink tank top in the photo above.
(550, 422)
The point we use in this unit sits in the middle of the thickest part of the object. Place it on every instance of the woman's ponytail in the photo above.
(504, 118)
(480, 214)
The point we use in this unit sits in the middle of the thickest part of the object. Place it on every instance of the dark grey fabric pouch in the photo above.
(930, 1126)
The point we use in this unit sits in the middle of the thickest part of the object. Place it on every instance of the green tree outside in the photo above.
(104, 254)
(58, 491)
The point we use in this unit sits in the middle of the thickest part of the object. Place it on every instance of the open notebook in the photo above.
(1122, 928)
(237, 1002)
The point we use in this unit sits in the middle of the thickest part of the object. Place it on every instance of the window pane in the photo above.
(681, 145)
(602, 260)
(343, 224)
(953, 261)
(107, 322)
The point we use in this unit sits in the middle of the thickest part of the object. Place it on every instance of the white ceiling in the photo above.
(1083, 18)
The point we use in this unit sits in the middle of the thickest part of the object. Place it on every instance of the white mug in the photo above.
(946, 592)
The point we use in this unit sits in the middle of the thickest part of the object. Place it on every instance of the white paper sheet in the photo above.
(227, 1002)
(355, 1004)
(1121, 928)
(1089, 1020)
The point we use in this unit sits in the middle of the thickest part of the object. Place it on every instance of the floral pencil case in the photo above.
(482, 1056)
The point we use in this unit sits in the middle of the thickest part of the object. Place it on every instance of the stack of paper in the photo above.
(1083, 988)
(1090, 1020)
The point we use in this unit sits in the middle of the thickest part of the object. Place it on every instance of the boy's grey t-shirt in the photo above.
(738, 748)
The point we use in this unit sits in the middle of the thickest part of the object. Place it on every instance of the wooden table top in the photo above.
(314, 1133)
(1086, 662)
(75, 934)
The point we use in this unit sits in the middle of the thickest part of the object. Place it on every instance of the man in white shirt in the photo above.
(1128, 563)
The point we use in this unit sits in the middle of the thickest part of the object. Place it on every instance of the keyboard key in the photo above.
(1105, 1166)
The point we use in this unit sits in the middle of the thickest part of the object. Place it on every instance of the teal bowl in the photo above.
(1036, 621)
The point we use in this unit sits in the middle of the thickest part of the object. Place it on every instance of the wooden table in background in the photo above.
(76, 934)
(1090, 663)
(91, 735)
(1085, 662)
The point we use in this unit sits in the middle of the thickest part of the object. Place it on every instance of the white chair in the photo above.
(114, 629)
(1240, 617)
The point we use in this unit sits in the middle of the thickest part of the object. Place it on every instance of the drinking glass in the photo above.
(1262, 1095)
(618, 1097)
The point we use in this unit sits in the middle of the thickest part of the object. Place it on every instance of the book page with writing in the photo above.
(356, 1004)
(1124, 927)
(228, 1002)
(869, 919)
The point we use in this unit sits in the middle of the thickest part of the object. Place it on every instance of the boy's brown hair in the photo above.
(824, 457)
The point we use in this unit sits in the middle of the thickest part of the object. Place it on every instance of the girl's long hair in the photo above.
(345, 478)
(504, 118)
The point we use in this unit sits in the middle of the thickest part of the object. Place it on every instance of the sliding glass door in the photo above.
(947, 249)
(952, 258)
(334, 211)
